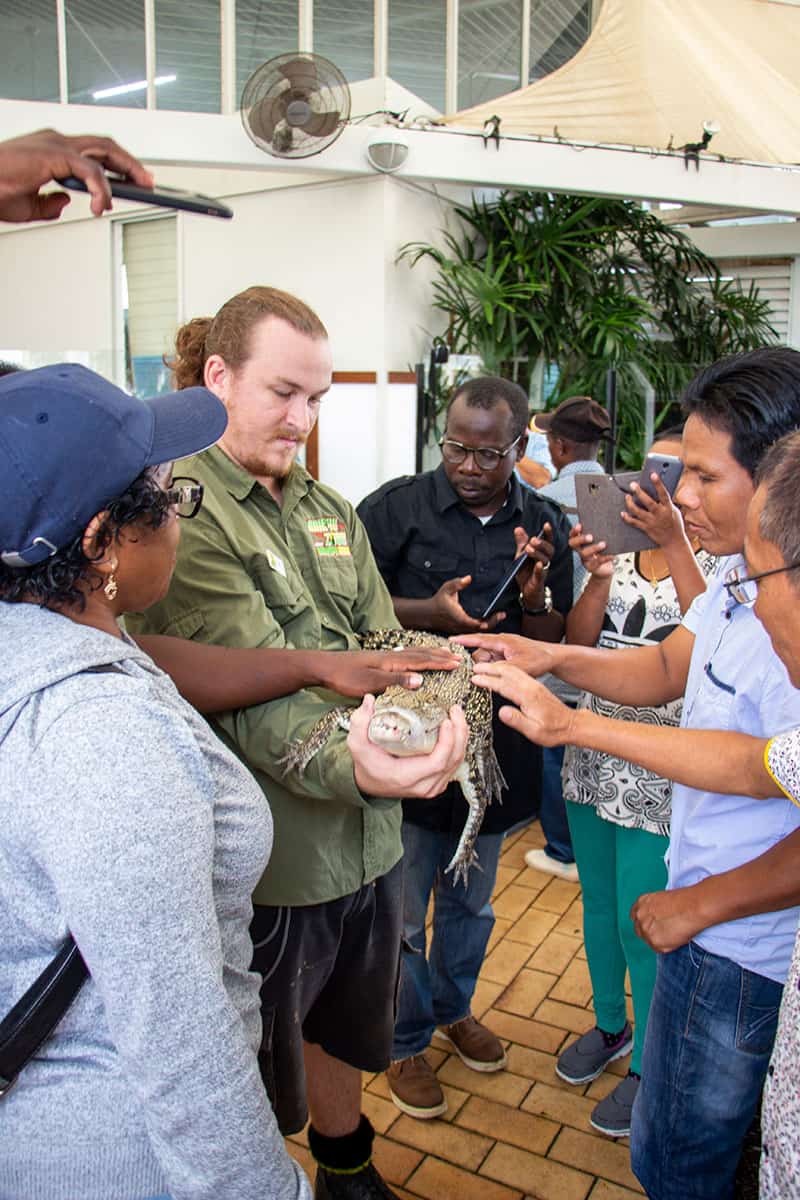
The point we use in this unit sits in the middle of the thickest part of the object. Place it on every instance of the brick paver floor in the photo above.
(522, 1133)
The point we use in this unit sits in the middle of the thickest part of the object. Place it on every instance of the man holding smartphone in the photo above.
(444, 541)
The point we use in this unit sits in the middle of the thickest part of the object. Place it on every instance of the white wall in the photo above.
(57, 295)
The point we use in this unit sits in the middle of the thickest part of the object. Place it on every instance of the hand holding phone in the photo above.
(162, 197)
(516, 566)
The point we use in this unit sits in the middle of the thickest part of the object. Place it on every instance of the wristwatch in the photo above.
(547, 607)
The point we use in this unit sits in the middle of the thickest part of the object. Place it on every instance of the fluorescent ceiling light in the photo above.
(122, 88)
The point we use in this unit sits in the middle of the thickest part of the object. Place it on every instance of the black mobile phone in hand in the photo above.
(668, 467)
(518, 562)
(163, 197)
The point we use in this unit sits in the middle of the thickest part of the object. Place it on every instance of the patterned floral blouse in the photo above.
(638, 613)
(780, 1115)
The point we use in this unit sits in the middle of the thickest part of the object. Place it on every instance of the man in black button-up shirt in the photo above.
(443, 541)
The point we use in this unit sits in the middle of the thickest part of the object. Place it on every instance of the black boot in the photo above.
(344, 1166)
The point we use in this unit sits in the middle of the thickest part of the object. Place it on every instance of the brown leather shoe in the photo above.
(415, 1089)
(474, 1044)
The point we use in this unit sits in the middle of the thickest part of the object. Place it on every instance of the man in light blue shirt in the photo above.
(714, 1009)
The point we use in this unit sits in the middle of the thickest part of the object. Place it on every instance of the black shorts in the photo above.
(330, 974)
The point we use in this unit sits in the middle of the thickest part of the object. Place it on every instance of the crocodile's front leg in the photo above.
(301, 752)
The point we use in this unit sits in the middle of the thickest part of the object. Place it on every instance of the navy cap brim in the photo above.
(184, 423)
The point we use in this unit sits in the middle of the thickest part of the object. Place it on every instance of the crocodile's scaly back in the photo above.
(406, 721)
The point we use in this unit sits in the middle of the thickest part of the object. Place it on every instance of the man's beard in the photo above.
(257, 467)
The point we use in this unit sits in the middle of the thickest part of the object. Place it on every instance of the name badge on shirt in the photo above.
(276, 563)
(329, 537)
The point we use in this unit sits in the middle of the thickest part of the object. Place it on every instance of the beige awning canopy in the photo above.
(653, 71)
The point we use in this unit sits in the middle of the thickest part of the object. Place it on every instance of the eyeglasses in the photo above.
(486, 457)
(185, 498)
(744, 588)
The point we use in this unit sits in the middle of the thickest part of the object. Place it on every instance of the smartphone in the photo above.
(518, 562)
(507, 579)
(164, 197)
(667, 466)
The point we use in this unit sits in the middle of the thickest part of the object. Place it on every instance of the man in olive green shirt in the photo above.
(276, 559)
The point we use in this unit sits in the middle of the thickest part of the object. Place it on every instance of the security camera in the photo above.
(387, 149)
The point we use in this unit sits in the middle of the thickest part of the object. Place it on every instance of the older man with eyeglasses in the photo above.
(444, 541)
(726, 925)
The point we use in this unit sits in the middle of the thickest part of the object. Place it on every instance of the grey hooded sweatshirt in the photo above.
(126, 821)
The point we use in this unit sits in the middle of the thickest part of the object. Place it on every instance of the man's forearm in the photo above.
(637, 677)
(769, 883)
(220, 678)
(714, 761)
(415, 614)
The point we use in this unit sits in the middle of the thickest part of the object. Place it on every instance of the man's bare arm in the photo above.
(221, 678)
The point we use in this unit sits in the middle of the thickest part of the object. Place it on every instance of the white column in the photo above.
(451, 58)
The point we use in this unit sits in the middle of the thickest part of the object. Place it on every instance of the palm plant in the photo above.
(585, 284)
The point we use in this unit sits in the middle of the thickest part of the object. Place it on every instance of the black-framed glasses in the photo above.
(185, 495)
(744, 588)
(486, 457)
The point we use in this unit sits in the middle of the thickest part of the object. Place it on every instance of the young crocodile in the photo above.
(407, 722)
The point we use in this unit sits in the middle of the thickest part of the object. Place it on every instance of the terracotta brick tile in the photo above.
(456, 1099)
(505, 876)
(532, 927)
(504, 962)
(574, 986)
(501, 928)
(513, 902)
(555, 953)
(537, 1176)
(509, 1125)
(558, 895)
(565, 1016)
(524, 1031)
(603, 1190)
(600, 1155)
(525, 992)
(380, 1111)
(395, 1162)
(462, 1146)
(599, 1088)
(436, 1180)
(514, 856)
(572, 921)
(484, 996)
(557, 1101)
(501, 1086)
(531, 1064)
(533, 881)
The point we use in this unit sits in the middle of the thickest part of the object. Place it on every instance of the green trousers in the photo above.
(616, 865)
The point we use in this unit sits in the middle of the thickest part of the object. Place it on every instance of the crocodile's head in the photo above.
(406, 731)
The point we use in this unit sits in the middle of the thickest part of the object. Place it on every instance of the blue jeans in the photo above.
(553, 812)
(437, 989)
(709, 1038)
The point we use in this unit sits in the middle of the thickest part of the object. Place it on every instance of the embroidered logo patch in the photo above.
(329, 537)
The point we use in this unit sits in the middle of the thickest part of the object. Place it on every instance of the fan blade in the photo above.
(301, 73)
(321, 124)
(264, 116)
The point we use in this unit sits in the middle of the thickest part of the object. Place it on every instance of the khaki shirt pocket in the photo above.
(283, 594)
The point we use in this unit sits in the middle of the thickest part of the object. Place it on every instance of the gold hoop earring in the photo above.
(111, 588)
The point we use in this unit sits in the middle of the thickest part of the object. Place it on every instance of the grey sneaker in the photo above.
(590, 1055)
(613, 1115)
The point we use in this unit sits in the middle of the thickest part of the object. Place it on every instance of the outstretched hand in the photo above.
(358, 672)
(538, 715)
(420, 776)
(28, 163)
(450, 617)
(535, 658)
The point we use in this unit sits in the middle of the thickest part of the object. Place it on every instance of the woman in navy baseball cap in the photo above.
(127, 828)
